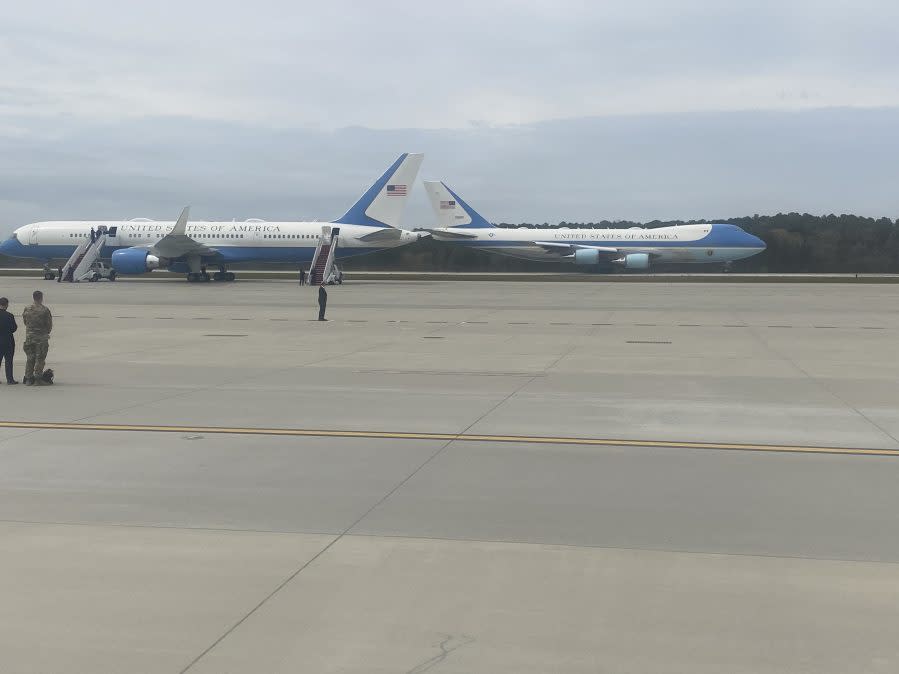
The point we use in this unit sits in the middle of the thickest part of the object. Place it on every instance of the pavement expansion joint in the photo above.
(451, 437)
(534, 323)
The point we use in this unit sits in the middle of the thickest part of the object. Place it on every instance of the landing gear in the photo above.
(223, 276)
(196, 270)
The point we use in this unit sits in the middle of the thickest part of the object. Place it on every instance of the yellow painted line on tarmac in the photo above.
(455, 437)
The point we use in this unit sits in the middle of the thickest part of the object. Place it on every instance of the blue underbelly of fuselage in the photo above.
(226, 254)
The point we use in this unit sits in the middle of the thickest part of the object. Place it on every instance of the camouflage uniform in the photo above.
(38, 324)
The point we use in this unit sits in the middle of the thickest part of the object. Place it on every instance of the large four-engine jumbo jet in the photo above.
(635, 248)
(139, 246)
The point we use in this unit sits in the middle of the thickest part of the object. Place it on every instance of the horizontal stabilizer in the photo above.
(446, 235)
(384, 235)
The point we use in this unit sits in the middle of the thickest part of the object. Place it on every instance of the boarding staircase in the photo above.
(78, 266)
(323, 260)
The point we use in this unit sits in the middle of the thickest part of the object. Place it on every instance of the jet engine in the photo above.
(634, 261)
(134, 261)
(586, 256)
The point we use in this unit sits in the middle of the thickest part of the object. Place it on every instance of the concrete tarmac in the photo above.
(221, 544)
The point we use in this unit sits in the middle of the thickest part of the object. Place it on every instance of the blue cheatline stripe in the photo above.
(493, 243)
(720, 236)
(356, 215)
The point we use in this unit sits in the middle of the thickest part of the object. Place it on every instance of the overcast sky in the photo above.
(539, 111)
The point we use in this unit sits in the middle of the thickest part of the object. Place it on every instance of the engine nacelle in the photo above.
(586, 256)
(634, 261)
(134, 261)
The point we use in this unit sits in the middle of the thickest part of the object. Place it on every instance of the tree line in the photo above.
(797, 242)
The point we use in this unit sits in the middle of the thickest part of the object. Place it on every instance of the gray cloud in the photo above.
(536, 109)
(421, 65)
(688, 165)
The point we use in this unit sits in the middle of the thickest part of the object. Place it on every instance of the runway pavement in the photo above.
(522, 477)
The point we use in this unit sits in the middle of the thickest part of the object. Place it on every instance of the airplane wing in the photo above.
(569, 248)
(177, 243)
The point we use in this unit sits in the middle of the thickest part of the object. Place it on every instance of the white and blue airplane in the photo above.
(141, 245)
(634, 248)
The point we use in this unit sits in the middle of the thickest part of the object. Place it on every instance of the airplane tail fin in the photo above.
(383, 203)
(450, 210)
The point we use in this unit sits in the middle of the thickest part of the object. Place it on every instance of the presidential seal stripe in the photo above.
(448, 437)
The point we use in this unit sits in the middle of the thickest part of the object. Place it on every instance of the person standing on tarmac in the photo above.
(302, 277)
(38, 326)
(7, 341)
(322, 301)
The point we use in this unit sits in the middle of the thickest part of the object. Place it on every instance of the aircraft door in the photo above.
(32, 241)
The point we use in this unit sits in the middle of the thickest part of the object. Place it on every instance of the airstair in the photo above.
(323, 261)
(78, 268)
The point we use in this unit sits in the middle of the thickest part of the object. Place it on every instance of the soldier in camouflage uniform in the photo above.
(38, 325)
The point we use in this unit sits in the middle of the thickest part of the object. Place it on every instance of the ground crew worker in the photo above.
(38, 325)
(7, 341)
(322, 301)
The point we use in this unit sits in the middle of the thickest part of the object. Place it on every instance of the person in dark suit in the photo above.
(302, 277)
(322, 301)
(7, 342)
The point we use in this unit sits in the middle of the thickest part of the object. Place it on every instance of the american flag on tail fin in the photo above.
(396, 190)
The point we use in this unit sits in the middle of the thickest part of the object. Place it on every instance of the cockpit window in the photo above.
(15, 237)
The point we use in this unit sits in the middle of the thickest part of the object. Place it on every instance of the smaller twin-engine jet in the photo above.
(189, 247)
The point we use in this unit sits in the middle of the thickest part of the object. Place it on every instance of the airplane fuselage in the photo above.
(235, 242)
(700, 243)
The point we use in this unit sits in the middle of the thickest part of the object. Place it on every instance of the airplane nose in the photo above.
(759, 243)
